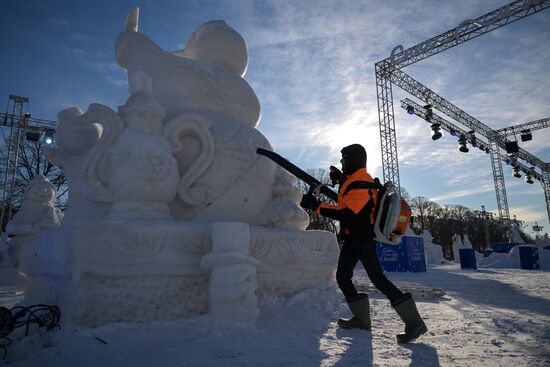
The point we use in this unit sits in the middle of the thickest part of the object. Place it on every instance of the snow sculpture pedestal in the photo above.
(148, 271)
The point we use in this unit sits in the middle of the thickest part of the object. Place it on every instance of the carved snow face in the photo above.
(42, 192)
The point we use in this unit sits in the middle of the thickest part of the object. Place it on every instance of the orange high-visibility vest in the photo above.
(357, 198)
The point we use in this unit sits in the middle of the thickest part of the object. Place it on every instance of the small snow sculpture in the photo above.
(457, 245)
(513, 234)
(434, 253)
(37, 212)
(232, 300)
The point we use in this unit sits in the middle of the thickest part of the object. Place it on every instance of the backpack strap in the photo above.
(363, 185)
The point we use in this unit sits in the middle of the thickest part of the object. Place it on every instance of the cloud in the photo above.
(79, 37)
(472, 190)
(58, 22)
(531, 213)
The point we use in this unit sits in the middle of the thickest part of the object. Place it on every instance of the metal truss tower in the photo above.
(388, 72)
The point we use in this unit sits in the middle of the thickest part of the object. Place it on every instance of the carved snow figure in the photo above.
(211, 115)
(513, 234)
(149, 184)
(434, 253)
(132, 165)
(457, 245)
(37, 212)
(232, 284)
(76, 133)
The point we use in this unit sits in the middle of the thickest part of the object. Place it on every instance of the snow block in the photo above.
(467, 258)
(408, 255)
(529, 257)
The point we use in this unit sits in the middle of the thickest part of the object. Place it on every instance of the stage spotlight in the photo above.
(529, 178)
(410, 110)
(515, 172)
(33, 135)
(49, 137)
(473, 140)
(526, 135)
(453, 132)
(429, 112)
(487, 150)
(462, 144)
(511, 147)
(436, 131)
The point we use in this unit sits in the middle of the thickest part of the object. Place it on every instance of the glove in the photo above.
(335, 175)
(309, 202)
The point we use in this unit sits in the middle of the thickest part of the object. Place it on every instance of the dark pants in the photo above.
(365, 251)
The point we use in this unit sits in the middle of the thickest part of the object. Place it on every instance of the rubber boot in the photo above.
(359, 306)
(414, 325)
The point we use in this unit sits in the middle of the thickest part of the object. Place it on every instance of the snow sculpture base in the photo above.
(118, 271)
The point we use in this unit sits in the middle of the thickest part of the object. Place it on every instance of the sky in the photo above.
(311, 64)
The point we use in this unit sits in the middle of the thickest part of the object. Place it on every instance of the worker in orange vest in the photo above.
(357, 198)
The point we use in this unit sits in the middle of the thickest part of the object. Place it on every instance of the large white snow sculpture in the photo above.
(154, 185)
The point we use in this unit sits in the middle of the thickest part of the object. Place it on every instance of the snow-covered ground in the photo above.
(489, 317)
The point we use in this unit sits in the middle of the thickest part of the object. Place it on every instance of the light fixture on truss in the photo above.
(462, 144)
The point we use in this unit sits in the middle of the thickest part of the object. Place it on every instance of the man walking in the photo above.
(357, 197)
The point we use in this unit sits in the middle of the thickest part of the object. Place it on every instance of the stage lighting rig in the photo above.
(410, 110)
(526, 135)
(511, 147)
(436, 131)
(429, 113)
(462, 144)
(473, 140)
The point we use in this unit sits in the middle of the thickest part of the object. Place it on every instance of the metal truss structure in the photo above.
(20, 125)
(527, 126)
(388, 72)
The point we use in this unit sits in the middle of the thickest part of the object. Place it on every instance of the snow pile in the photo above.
(511, 260)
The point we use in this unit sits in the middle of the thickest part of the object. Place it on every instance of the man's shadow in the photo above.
(422, 355)
(359, 352)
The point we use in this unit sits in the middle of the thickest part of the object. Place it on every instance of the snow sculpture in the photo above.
(513, 234)
(457, 245)
(434, 253)
(542, 240)
(153, 187)
(37, 212)
(232, 300)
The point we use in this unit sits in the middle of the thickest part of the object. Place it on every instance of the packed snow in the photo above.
(498, 315)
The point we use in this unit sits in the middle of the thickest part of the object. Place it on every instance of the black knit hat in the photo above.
(355, 158)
